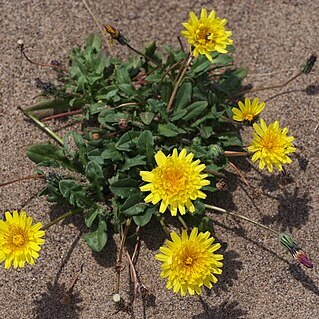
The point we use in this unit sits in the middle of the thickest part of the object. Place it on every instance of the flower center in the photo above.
(249, 117)
(173, 179)
(203, 34)
(189, 261)
(18, 240)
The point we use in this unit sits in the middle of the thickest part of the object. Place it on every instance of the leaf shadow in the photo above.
(293, 210)
(226, 310)
(57, 302)
(299, 274)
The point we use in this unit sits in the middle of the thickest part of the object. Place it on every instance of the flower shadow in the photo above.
(299, 274)
(231, 268)
(57, 302)
(293, 210)
(226, 310)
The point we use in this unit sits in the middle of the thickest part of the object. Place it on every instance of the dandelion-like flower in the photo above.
(206, 34)
(19, 240)
(190, 262)
(247, 111)
(176, 181)
(271, 145)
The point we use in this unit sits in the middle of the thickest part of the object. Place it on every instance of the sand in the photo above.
(260, 279)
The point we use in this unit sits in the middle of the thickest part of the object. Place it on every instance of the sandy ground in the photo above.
(260, 279)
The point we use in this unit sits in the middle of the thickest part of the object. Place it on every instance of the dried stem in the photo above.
(179, 81)
(235, 154)
(57, 116)
(25, 178)
(120, 256)
(37, 63)
(97, 22)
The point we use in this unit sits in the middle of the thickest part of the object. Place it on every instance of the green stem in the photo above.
(161, 221)
(182, 221)
(68, 214)
(224, 211)
(144, 55)
(276, 86)
(43, 127)
(179, 81)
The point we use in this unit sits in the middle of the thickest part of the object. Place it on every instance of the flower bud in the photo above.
(307, 68)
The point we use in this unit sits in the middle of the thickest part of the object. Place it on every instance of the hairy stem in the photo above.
(224, 211)
(68, 214)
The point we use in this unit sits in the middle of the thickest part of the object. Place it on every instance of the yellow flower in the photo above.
(176, 181)
(247, 111)
(206, 34)
(271, 145)
(19, 240)
(190, 262)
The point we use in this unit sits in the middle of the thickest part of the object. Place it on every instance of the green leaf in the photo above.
(143, 219)
(166, 89)
(147, 117)
(195, 109)
(92, 213)
(183, 96)
(79, 142)
(133, 205)
(223, 59)
(124, 187)
(169, 130)
(49, 155)
(97, 239)
(201, 64)
(111, 153)
(93, 42)
(111, 116)
(230, 139)
(127, 141)
(131, 162)
(94, 173)
(74, 193)
(122, 76)
(145, 144)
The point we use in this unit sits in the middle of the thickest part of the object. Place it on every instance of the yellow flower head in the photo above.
(247, 111)
(206, 34)
(271, 145)
(176, 181)
(19, 240)
(190, 262)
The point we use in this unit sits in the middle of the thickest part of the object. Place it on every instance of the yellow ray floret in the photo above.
(19, 240)
(206, 34)
(176, 182)
(190, 262)
(248, 111)
(271, 145)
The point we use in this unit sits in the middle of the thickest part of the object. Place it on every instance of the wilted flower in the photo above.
(190, 262)
(176, 181)
(19, 240)
(271, 145)
(247, 111)
(206, 34)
